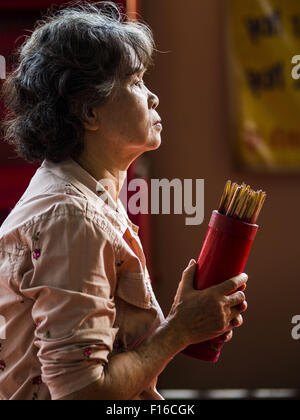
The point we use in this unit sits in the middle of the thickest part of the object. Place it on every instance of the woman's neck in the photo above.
(111, 177)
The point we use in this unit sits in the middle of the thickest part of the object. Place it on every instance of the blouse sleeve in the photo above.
(72, 282)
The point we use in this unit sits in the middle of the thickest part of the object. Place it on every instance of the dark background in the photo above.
(191, 81)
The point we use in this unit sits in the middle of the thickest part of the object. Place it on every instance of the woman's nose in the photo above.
(153, 100)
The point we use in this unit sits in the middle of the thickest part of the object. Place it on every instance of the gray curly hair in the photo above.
(69, 64)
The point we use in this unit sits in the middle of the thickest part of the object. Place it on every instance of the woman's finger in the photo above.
(227, 336)
(230, 285)
(235, 299)
(237, 321)
(242, 306)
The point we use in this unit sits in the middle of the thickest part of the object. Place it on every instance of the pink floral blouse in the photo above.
(74, 286)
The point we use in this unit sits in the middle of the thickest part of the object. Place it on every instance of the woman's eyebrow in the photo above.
(138, 72)
(142, 71)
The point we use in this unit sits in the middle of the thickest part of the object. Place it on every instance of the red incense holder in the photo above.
(223, 255)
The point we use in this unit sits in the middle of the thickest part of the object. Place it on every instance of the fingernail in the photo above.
(192, 262)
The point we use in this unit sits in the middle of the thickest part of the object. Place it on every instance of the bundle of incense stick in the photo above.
(241, 202)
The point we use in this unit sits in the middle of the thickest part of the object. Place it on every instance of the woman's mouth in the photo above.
(158, 124)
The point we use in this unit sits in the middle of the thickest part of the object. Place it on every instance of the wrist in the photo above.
(162, 345)
(176, 335)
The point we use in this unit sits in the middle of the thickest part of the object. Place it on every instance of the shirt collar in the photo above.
(73, 172)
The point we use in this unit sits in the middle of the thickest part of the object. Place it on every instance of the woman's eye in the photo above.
(139, 83)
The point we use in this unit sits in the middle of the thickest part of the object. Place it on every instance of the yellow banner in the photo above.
(265, 40)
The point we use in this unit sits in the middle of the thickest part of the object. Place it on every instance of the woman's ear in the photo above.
(92, 122)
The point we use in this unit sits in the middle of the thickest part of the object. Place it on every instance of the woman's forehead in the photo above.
(135, 63)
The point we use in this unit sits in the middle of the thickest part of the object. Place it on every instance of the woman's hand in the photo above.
(199, 315)
(195, 316)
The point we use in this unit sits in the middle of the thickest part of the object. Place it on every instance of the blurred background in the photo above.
(229, 104)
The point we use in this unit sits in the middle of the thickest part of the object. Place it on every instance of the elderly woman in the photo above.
(81, 319)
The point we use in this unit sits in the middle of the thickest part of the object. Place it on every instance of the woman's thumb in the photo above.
(192, 262)
(189, 273)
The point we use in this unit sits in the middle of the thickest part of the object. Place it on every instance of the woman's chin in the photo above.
(150, 144)
(154, 144)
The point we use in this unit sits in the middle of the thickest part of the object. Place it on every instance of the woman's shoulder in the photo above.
(52, 199)
(46, 202)
(57, 203)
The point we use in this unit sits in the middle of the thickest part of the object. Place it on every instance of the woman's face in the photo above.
(128, 121)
